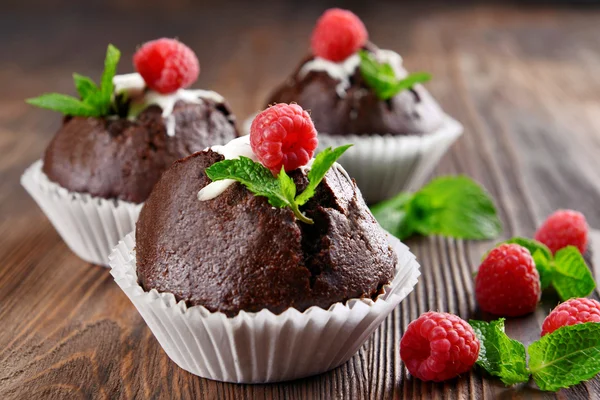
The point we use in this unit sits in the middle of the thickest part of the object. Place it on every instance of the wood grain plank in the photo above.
(523, 81)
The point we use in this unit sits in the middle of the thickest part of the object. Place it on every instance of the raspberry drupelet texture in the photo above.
(337, 35)
(564, 228)
(283, 135)
(571, 312)
(507, 283)
(166, 65)
(438, 346)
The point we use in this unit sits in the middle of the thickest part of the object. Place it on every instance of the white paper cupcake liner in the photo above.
(383, 164)
(90, 226)
(261, 347)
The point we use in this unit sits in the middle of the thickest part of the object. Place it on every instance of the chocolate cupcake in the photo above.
(361, 94)
(117, 140)
(227, 248)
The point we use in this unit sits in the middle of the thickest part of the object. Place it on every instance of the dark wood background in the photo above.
(523, 79)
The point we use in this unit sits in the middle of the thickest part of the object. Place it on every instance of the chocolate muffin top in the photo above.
(342, 103)
(122, 158)
(237, 252)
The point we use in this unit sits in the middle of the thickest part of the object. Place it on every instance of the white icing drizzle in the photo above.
(134, 86)
(343, 70)
(232, 150)
(340, 71)
(394, 59)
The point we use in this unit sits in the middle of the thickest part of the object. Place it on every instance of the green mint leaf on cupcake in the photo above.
(448, 206)
(64, 104)
(382, 78)
(500, 355)
(280, 190)
(323, 161)
(566, 271)
(571, 276)
(256, 177)
(95, 101)
(565, 357)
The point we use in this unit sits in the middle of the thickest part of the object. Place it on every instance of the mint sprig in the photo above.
(500, 355)
(382, 78)
(565, 357)
(95, 101)
(454, 206)
(561, 359)
(566, 271)
(571, 276)
(280, 191)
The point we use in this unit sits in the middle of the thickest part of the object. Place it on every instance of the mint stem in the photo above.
(301, 217)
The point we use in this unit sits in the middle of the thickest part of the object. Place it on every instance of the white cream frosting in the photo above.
(342, 71)
(134, 86)
(232, 150)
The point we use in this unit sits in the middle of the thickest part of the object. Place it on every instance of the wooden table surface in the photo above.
(525, 82)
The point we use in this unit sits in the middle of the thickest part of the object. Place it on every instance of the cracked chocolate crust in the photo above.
(359, 112)
(123, 159)
(237, 252)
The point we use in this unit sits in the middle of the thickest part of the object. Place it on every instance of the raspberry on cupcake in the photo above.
(361, 94)
(118, 138)
(254, 242)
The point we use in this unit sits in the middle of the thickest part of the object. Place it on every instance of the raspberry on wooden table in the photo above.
(166, 65)
(571, 312)
(564, 228)
(438, 346)
(507, 283)
(283, 135)
(337, 35)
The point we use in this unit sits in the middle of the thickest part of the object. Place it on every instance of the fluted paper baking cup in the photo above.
(90, 226)
(261, 347)
(385, 164)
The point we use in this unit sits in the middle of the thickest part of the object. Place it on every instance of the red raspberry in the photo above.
(283, 134)
(338, 34)
(507, 283)
(571, 312)
(564, 228)
(438, 346)
(166, 65)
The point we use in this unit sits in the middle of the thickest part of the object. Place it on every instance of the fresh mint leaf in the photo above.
(95, 101)
(281, 190)
(85, 86)
(542, 256)
(382, 78)
(500, 355)
(571, 276)
(392, 216)
(321, 164)
(565, 357)
(254, 176)
(110, 69)
(65, 104)
(288, 190)
(288, 187)
(448, 206)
